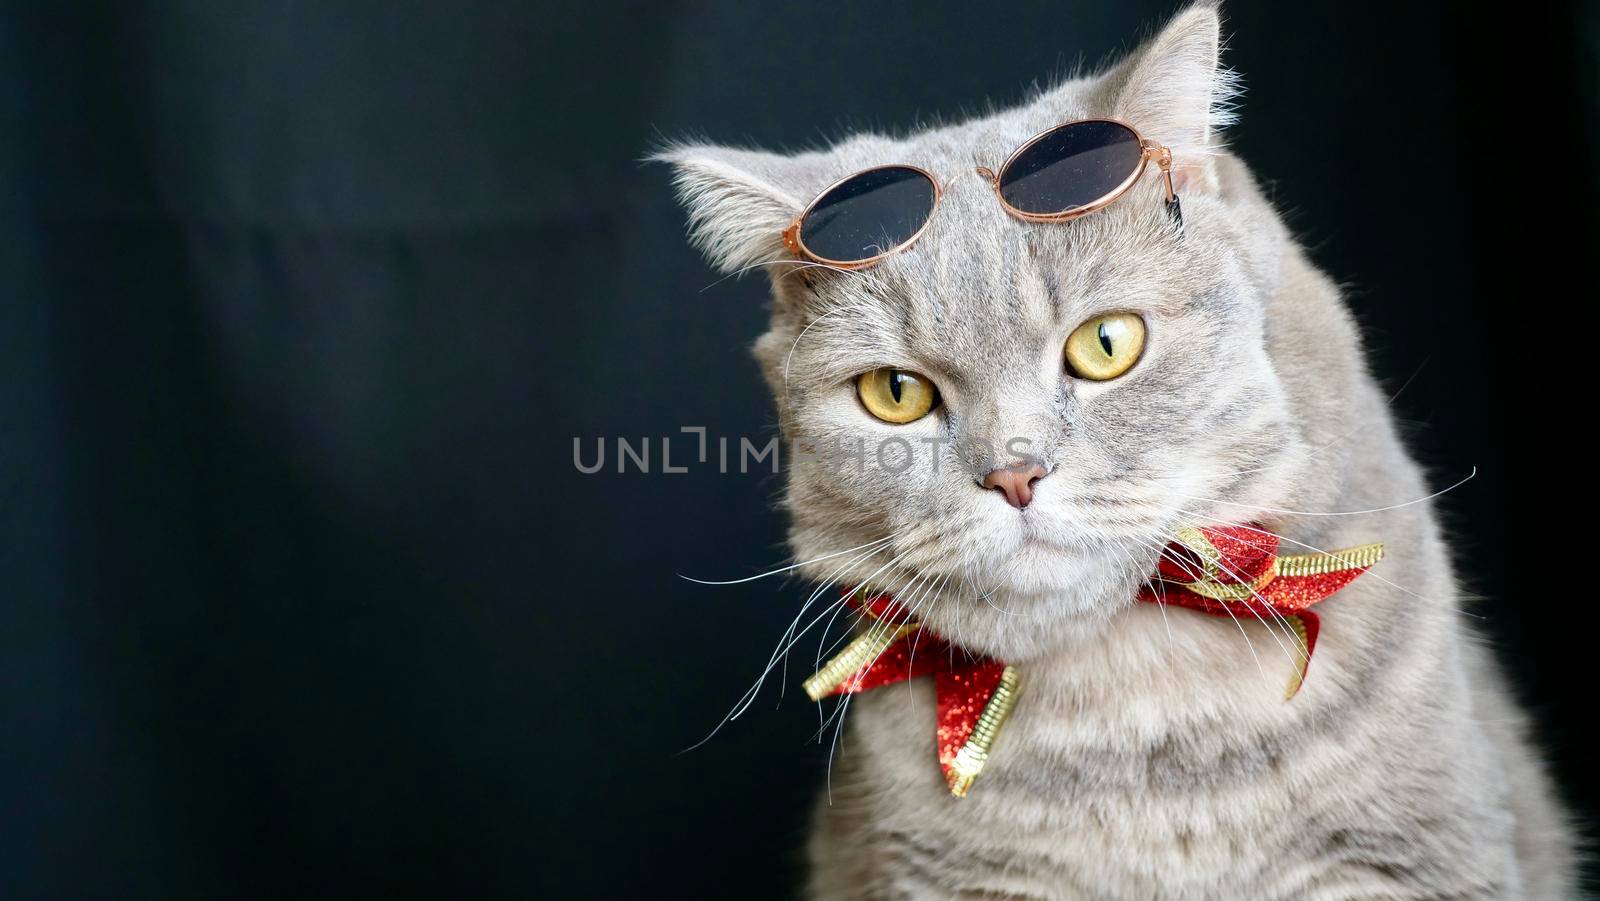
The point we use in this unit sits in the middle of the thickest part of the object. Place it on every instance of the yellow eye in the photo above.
(894, 395)
(1105, 346)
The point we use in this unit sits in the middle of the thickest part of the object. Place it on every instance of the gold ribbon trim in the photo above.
(974, 754)
(1303, 651)
(1333, 561)
(863, 650)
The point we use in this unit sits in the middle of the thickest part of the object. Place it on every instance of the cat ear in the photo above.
(737, 208)
(1175, 90)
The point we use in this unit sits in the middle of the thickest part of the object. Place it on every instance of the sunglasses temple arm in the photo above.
(1163, 157)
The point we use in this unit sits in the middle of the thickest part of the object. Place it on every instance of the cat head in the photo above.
(1200, 428)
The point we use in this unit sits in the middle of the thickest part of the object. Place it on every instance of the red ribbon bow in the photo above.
(974, 693)
(1235, 571)
(1230, 571)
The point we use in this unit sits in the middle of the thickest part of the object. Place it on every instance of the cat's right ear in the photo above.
(737, 207)
(1176, 91)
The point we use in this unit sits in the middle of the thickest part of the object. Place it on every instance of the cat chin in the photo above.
(1037, 567)
(1019, 628)
(1045, 600)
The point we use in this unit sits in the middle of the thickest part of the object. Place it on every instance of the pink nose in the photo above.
(1016, 482)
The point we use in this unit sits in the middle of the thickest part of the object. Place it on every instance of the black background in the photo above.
(305, 303)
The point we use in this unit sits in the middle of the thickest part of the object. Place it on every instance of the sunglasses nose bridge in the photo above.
(987, 174)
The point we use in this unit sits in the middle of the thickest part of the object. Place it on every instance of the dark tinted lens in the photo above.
(1073, 166)
(868, 215)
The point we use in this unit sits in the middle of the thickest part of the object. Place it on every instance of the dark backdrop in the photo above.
(303, 305)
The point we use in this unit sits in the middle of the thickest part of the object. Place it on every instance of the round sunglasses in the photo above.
(1069, 171)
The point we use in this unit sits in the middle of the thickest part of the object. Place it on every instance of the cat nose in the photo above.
(1016, 481)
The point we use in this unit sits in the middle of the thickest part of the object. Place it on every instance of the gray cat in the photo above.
(1151, 753)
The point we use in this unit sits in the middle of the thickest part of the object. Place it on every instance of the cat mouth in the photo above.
(1034, 533)
(1034, 539)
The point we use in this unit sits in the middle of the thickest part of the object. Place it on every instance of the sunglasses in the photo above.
(1069, 171)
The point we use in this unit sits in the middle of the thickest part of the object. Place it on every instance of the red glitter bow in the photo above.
(1223, 571)
(974, 693)
(1235, 571)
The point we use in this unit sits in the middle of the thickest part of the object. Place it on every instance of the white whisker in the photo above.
(1210, 500)
(785, 645)
(785, 569)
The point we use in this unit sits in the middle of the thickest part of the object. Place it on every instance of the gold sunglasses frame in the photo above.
(1149, 151)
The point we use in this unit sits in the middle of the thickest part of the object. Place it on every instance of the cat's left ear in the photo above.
(1175, 90)
(737, 201)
